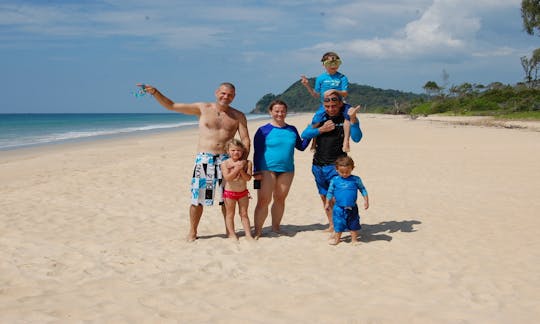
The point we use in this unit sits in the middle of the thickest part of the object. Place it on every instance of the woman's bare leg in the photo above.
(281, 190)
(264, 197)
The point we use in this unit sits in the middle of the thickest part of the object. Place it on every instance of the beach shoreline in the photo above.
(94, 231)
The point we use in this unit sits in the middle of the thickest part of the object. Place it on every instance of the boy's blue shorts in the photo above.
(346, 218)
(323, 174)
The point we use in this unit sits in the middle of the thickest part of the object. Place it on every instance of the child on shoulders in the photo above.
(331, 79)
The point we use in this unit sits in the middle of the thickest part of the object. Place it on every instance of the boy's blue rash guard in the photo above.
(345, 190)
(274, 148)
(325, 81)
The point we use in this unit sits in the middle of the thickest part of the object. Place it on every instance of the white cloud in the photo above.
(442, 27)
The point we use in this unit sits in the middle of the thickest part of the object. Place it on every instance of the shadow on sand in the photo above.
(368, 233)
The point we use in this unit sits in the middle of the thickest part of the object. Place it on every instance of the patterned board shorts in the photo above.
(207, 179)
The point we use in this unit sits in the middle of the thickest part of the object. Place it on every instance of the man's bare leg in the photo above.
(328, 213)
(195, 213)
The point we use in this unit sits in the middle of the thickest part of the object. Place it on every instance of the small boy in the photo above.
(344, 189)
(331, 79)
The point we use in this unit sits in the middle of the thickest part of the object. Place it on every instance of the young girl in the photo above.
(236, 173)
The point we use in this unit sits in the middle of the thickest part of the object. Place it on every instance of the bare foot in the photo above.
(257, 235)
(191, 237)
(233, 237)
(333, 241)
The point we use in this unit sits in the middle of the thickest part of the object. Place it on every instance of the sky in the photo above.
(84, 56)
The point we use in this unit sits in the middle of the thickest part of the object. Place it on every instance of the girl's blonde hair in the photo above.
(235, 142)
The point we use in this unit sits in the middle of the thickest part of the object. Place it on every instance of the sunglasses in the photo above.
(336, 62)
(331, 99)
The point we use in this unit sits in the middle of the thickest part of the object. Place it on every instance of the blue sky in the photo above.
(87, 56)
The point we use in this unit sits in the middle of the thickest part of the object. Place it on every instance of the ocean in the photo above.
(25, 130)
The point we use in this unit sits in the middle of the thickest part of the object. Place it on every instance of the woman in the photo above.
(273, 160)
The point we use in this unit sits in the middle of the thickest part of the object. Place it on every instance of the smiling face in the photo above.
(278, 112)
(225, 95)
(332, 104)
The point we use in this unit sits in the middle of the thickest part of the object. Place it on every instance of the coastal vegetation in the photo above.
(372, 99)
(520, 101)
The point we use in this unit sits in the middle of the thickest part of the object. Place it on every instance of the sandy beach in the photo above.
(94, 232)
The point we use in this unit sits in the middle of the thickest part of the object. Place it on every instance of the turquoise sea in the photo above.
(24, 130)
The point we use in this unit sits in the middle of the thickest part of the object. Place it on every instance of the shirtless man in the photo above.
(218, 123)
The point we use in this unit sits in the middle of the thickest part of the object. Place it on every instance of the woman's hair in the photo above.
(277, 102)
(345, 161)
(235, 142)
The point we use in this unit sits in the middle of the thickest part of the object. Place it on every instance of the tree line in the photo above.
(370, 98)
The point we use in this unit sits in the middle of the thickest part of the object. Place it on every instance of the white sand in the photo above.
(94, 232)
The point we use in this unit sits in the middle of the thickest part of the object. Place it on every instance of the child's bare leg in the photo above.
(335, 239)
(354, 237)
(243, 211)
(312, 147)
(230, 205)
(346, 135)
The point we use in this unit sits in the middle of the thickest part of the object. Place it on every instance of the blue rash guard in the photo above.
(274, 148)
(345, 212)
(325, 81)
(345, 190)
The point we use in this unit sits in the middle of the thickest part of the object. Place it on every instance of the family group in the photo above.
(222, 165)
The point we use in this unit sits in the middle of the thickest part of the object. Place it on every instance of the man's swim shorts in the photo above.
(207, 179)
(323, 174)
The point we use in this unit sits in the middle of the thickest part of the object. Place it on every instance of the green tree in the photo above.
(530, 12)
(528, 68)
(535, 58)
(531, 66)
(432, 88)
